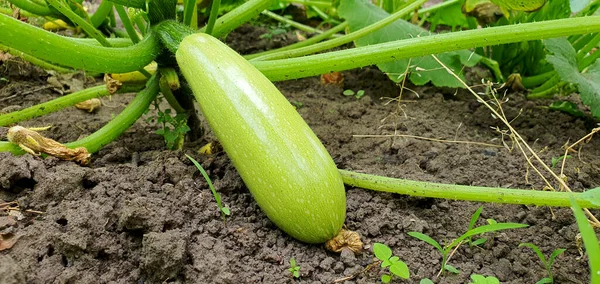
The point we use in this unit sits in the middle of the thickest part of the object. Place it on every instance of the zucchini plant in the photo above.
(282, 162)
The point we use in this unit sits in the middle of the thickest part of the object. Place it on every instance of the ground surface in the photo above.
(141, 214)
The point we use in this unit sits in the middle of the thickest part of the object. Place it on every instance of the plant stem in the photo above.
(320, 4)
(312, 40)
(344, 39)
(189, 7)
(59, 103)
(127, 24)
(437, 7)
(292, 23)
(214, 13)
(89, 29)
(101, 13)
(238, 16)
(293, 68)
(537, 80)
(35, 61)
(69, 52)
(37, 9)
(468, 193)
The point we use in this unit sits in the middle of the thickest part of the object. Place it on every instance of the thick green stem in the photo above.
(127, 24)
(537, 80)
(89, 29)
(113, 129)
(312, 40)
(293, 68)
(469, 193)
(37, 9)
(581, 53)
(35, 61)
(346, 38)
(65, 51)
(189, 7)
(59, 103)
(214, 13)
(238, 16)
(101, 13)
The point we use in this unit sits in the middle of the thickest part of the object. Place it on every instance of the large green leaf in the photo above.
(361, 13)
(564, 60)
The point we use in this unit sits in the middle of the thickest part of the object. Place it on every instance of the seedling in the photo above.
(547, 262)
(446, 250)
(294, 268)
(173, 128)
(224, 210)
(480, 279)
(474, 219)
(556, 160)
(395, 265)
(357, 95)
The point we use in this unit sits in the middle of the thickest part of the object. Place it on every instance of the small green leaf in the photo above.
(359, 94)
(478, 279)
(555, 254)
(426, 239)
(386, 263)
(296, 273)
(478, 241)
(485, 229)
(226, 211)
(520, 5)
(590, 241)
(386, 278)
(537, 251)
(381, 251)
(544, 281)
(400, 269)
(394, 259)
(451, 269)
(566, 107)
(474, 217)
(426, 281)
(348, 93)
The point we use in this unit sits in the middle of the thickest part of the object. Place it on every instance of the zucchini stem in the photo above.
(470, 193)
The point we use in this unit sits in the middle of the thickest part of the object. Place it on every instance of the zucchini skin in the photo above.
(287, 169)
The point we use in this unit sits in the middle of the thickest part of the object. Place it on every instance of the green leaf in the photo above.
(474, 217)
(485, 229)
(426, 239)
(565, 63)
(566, 107)
(400, 269)
(386, 278)
(554, 254)
(361, 13)
(451, 16)
(544, 281)
(381, 251)
(520, 5)
(348, 93)
(537, 251)
(451, 269)
(226, 211)
(386, 263)
(478, 279)
(426, 281)
(359, 94)
(478, 241)
(590, 241)
(592, 195)
(394, 259)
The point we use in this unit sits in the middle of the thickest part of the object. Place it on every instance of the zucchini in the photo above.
(289, 172)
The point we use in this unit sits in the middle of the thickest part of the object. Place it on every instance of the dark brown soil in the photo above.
(142, 214)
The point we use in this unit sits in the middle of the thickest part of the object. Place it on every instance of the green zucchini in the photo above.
(289, 172)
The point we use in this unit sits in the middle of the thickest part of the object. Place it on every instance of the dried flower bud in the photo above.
(35, 144)
(89, 105)
(112, 85)
(345, 240)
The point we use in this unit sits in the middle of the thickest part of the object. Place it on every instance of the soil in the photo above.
(143, 214)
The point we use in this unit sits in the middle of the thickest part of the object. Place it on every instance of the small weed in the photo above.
(297, 104)
(556, 160)
(395, 265)
(474, 219)
(447, 249)
(547, 262)
(281, 28)
(426, 281)
(224, 210)
(294, 268)
(173, 128)
(590, 241)
(480, 279)
(357, 95)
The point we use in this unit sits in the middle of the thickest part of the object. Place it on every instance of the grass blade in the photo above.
(589, 240)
